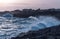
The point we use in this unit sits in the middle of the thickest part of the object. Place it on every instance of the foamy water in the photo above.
(13, 26)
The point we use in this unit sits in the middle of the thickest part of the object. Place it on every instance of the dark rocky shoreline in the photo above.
(31, 12)
(48, 33)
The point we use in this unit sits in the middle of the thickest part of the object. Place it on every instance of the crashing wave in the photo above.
(12, 26)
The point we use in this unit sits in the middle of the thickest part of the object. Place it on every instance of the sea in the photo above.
(11, 26)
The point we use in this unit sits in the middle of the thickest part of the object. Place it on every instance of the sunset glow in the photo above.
(34, 4)
(4, 2)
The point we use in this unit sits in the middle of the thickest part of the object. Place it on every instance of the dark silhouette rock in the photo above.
(30, 12)
(48, 33)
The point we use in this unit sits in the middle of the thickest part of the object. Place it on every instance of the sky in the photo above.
(27, 4)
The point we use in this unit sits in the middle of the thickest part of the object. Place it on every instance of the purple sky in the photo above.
(34, 4)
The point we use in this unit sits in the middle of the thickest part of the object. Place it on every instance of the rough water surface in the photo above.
(12, 26)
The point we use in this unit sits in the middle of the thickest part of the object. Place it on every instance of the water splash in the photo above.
(13, 26)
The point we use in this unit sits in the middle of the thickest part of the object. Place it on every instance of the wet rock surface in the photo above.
(48, 33)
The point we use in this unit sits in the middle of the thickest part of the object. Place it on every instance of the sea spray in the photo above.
(14, 26)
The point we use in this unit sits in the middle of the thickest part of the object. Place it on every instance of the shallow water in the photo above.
(12, 26)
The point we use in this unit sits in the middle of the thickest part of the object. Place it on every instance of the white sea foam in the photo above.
(12, 27)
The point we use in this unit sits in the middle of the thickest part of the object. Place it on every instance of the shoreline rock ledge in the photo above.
(47, 33)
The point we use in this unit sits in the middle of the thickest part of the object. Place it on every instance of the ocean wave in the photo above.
(13, 26)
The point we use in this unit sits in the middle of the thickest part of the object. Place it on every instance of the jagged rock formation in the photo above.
(30, 12)
(48, 33)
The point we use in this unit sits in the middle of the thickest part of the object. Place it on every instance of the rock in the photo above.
(48, 33)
